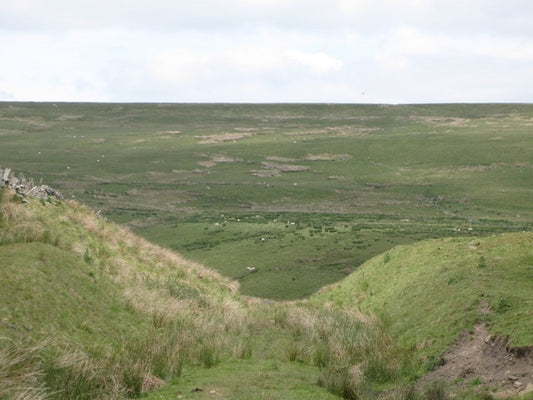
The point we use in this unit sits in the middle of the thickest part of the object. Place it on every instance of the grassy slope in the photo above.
(371, 177)
(91, 311)
(431, 291)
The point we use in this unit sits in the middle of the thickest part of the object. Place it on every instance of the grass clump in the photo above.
(19, 379)
(92, 282)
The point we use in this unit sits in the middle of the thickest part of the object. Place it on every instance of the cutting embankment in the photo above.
(463, 305)
(89, 310)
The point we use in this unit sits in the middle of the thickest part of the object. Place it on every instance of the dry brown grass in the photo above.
(19, 379)
(327, 157)
(223, 137)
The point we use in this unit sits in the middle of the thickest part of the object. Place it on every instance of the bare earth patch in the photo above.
(224, 137)
(97, 141)
(442, 121)
(213, 161)
(488, 359)
(327, 157)
(275, 169)
(4, 132)
(281, 159)
(344, 131)
(69, 117)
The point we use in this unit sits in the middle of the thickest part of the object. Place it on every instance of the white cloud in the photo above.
(400, 48)
(253, 60)
(179, 66)
(266, 50)
(182, 66)
(318, 63)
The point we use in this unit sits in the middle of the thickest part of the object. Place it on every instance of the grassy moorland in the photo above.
(91, 311)
(302, 193)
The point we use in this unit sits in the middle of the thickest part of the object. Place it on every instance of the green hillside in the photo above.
(91, 311)
(82, 299)
(431, 291)
(305, 193)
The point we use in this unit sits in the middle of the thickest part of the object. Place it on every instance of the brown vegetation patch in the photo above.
(345, 131)
(441, 121)
(69, 117)
(488, 359)
(275, 169)
(327, 157)
(223, 137)
(281, 159)
(213, 161)
(34, 121)
(4, 132)
(151, 382)
(97, 141)
(334, 131)
(265, 173)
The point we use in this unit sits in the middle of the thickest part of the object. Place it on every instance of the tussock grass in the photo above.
(93, 311)
(19, 379)
(144, 303)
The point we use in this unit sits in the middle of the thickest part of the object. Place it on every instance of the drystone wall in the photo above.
(26, 187)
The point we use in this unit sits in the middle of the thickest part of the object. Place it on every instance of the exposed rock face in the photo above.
(25, 187)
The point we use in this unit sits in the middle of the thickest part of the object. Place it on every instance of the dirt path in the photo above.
(482, 358)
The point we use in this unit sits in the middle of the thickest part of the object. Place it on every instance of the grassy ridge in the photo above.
(90, 310)
(326, 186)
(433, 290)
(87, 298)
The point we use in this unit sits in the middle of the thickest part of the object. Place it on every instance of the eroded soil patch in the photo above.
(482, 358)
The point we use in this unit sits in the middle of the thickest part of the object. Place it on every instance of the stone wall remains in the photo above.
(26, 187)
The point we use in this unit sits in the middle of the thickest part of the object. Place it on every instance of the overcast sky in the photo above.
(335, 51)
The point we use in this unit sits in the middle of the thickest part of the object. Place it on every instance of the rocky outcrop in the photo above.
(26, 187)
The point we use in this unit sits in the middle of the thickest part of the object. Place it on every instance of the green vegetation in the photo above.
(444, 277)
(281, 200)
(303, 193)
(90, 310)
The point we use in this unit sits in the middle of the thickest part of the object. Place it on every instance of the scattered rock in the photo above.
(504, 394)
(527, 389)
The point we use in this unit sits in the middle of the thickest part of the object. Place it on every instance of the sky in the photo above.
(267, 51)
